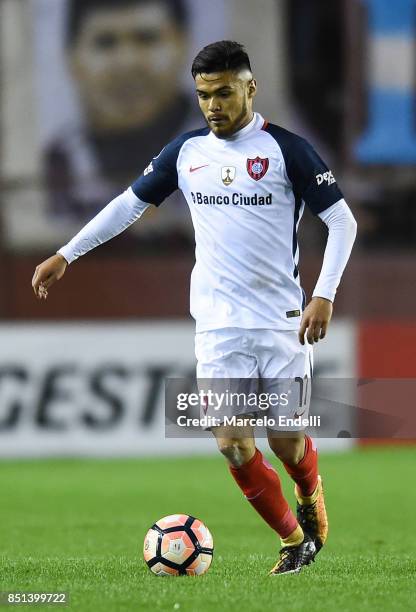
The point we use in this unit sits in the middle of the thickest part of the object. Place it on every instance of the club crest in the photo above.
(257, 167)
(227, 174)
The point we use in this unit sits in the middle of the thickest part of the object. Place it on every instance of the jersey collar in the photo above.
(255, 124)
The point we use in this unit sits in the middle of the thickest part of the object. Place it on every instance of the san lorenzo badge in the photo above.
(257, 167)
(227, 174)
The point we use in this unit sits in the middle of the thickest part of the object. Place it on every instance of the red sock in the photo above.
(261, 485)
(305, 473)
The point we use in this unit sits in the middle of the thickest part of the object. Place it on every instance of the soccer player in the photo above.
(246, 183)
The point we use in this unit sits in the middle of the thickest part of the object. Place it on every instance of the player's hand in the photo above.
(47, 273)
(315, 320)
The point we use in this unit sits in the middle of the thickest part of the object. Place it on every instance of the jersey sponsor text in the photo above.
(236, 199)
(326, 177)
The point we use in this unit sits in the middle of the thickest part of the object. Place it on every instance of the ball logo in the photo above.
(257, 167)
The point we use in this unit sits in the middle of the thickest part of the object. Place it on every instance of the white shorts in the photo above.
(266, 361)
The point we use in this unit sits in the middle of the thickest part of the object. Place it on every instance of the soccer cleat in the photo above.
(293, 558)
(311, 515)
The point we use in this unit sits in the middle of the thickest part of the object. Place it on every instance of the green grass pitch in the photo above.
(78, 526)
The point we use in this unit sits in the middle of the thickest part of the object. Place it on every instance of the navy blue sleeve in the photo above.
(160, 178)
(311, 179)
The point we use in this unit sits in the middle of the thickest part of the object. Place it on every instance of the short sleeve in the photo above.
(160, 178)
(311, 178)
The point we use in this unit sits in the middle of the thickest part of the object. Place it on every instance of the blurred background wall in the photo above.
(91, 90)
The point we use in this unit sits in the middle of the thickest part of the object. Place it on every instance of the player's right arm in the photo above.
(47, 273)
(157, 182)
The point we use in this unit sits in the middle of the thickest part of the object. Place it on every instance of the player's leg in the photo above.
(311, 510)
(299, 457)
(295, 555)
(258, 481)
(225, 356)
(283, 362)
(236, 444)
(296, 450)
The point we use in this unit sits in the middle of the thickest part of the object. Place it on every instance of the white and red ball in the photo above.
(178, 545)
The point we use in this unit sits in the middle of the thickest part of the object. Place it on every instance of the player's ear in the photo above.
(252, 88)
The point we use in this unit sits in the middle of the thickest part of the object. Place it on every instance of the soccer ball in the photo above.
(178, 545)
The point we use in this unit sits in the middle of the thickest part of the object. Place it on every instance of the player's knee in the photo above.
(288, 450)
(237, 451)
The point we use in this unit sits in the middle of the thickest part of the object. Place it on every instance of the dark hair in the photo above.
(220, 56)
(78, 10)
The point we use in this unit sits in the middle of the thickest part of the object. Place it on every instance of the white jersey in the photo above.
(246, 194)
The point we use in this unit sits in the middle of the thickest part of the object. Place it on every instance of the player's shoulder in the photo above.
(203, 131)
(289, 142)
(180, 140)
(172, 149)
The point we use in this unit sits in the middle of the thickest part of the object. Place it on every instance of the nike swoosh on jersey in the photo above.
(197, 168)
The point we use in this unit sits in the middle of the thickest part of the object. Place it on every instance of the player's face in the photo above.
(125, 61)
(226, 100)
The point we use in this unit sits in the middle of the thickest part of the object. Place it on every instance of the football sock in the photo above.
(261, 486)
(295, 538)
(305, 473)
(307, 500)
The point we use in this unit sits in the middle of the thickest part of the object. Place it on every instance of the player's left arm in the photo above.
(316, 185)
(342, 229)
